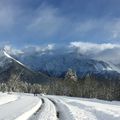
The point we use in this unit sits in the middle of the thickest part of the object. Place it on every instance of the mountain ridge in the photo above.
(15, 68)
(57, 64)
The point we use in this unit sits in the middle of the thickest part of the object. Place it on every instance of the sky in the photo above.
(60, 22)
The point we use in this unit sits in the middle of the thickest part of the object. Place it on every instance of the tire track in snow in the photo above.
(36, 114)
(81, 114)
(64, 111)
(70, 112)
(102, 111)
(88, 109)
(57, 111)
(46, 112)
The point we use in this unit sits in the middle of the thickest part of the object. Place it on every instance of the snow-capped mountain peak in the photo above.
(7, 55)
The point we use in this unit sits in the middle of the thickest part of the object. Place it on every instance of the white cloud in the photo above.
(49, 47)
(107, 51)
(111, 55)
(31, 49)
(87, 47)
(28, 50)
(9, 49)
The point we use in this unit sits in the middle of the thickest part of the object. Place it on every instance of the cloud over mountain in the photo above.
(87, 47)
(106, 51)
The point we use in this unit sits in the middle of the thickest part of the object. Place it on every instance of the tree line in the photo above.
(88, 86)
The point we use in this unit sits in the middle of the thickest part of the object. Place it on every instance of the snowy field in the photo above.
(28, 107)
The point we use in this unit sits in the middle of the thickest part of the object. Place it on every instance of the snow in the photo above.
(29, 113)
(6, 98)
(86, 109)
(51, 107)
(21, 109)
(59, 63)
(99, 66)
(71, 112)
(7, 55)
(48, 112)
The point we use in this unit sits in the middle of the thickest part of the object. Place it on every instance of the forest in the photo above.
(71, 85)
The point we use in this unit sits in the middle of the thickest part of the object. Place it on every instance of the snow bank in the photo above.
(6, 98)
(20, 109)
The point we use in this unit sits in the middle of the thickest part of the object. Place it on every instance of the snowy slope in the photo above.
(7, 55)
(9, 65)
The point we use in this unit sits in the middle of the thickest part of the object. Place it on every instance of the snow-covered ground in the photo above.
(20, 109)
(6, 98)
(86, 109)
(28, 107)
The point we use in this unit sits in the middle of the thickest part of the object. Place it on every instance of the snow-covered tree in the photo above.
(71, 75)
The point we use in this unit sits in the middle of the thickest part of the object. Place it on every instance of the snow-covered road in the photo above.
(20, 109)
(48, 107)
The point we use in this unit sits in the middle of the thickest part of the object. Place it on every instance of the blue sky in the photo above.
(37, 22)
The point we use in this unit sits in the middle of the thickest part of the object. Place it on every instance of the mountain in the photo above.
(41, 67)
(10, 68)
(56, 64)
